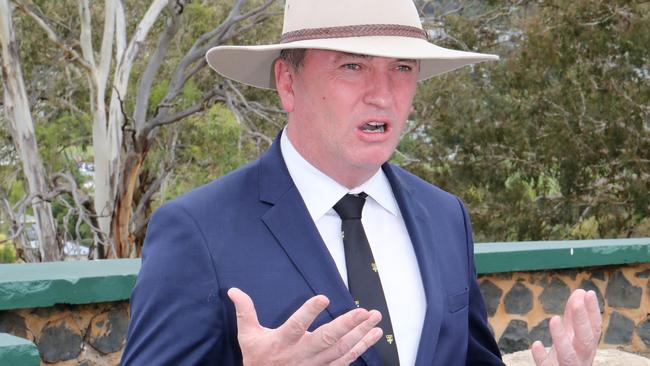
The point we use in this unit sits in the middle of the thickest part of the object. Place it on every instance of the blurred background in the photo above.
(109, 110)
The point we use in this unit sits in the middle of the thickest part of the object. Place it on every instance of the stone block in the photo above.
(642, 274)
(13, 323)
(108, 331)
(519, 300)
(555, 296)
(60, 340)
(598, 275)
(621, 293)
(515, 337)
(491, 295)
(589, 285)
(571, 273)
(502, 275)
(541, 333)
(643, 331)
(619, 330)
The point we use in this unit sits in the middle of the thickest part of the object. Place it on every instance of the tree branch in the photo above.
(162, 47)
(71, 54)
(106, 51)
(203, 44)
(164, 119)
(85, 37)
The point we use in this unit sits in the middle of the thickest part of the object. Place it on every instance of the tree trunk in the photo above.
(103, 174)
(21, 127)
(120, 224)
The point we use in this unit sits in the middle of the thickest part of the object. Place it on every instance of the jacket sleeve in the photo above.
(482, 348)
(176, 306)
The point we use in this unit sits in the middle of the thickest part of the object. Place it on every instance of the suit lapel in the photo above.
(299, 238)
(292, 226)
(417, 220)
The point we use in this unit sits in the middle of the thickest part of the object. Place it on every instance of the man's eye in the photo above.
(404, 68)
(352, 66)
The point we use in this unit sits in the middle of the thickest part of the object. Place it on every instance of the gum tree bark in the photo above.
(21, 127)
(119, 158)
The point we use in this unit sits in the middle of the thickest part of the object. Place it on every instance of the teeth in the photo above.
(374, 127)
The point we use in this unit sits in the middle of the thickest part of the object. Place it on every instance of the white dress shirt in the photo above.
(389, 240)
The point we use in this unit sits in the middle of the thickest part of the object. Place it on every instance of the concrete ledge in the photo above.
(543, 255)
(45, 284)
(16, 351)
(33, 285)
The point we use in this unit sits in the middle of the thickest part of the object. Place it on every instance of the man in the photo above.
(286, 260)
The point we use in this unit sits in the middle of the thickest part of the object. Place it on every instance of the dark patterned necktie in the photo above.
(363, 277)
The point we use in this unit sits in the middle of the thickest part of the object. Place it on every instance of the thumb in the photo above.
(245, 309)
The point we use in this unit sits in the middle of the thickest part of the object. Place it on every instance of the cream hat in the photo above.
(385, 28)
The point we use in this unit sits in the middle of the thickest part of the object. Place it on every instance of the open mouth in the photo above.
(374, 127)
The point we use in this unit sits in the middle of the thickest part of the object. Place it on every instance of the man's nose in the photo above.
(379, 90)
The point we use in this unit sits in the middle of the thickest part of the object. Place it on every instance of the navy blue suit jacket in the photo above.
(250, 229)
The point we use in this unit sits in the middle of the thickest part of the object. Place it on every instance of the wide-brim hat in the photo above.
(385, 28)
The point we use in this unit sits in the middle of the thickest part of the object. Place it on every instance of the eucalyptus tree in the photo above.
(21, 127)
(122, 69)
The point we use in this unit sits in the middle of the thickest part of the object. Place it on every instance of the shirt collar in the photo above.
(320, 192)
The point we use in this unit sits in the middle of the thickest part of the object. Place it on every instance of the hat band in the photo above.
(362, 30)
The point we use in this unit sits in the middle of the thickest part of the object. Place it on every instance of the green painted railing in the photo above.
(45, 284)
(16, 351)
(33, 285)
(542, 255)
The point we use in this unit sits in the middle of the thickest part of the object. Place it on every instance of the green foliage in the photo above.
(210, 145)
(553, 141)
(7, 251)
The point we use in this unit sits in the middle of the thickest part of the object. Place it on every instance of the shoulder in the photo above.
(426, 192)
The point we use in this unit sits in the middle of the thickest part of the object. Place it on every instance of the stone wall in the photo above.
(520, 304)
(67, 335)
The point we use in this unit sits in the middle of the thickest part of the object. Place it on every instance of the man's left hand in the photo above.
(575, 338)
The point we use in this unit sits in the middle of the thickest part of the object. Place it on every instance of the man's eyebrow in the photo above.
(408, 60)
(353, 55)
(358, 55)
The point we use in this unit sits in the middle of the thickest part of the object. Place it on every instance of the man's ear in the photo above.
(284, 76)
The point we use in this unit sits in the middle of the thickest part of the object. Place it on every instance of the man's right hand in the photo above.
(338, 342)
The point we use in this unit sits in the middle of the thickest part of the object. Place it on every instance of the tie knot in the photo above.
(350, 206)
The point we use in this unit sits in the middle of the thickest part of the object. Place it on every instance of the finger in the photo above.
(245, 310)
(362, 346)
(593, 310)
(327, 335)
(350, 339)
(577, 297)
(583, 341)
(562, 344)
(298, 323)
(540, 356)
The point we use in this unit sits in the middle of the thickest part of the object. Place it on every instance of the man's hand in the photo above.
(338, 342)
(575, 338)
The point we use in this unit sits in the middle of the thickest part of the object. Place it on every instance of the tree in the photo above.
(125, 125)
(553, 141)
(21, 127)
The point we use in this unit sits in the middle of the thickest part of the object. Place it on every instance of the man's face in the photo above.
(346, 111)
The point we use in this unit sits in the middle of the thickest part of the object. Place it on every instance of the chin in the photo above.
(374, 163)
